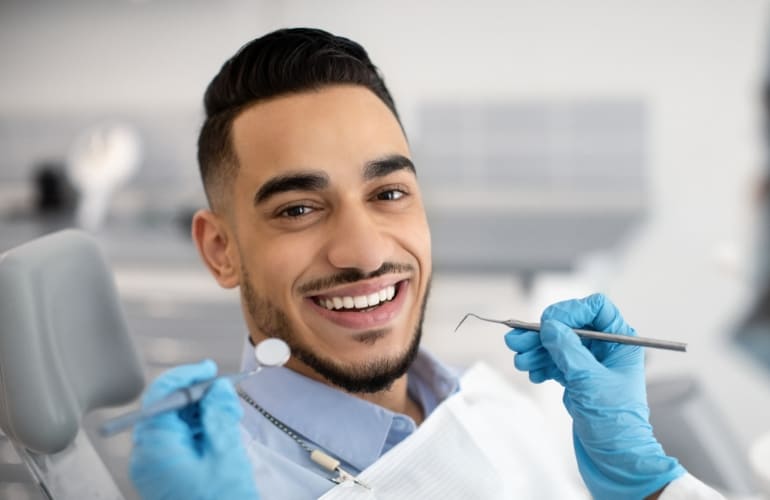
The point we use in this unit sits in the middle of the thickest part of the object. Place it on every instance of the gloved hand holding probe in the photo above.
(194, 453)
(604, 392)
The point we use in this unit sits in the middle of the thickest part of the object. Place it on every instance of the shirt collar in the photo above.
(308, 406)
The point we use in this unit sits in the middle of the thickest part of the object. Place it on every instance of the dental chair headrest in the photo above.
(64, 345)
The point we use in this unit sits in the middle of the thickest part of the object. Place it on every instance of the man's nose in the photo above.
(358, 242)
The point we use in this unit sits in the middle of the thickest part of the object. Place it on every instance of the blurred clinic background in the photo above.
(563, 148)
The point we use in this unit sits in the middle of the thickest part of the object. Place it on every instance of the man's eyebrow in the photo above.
(300, 181)
(387, 165)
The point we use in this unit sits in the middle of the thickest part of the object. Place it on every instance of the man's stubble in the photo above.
(371, 376)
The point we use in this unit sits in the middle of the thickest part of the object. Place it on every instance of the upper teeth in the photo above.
(359, 301)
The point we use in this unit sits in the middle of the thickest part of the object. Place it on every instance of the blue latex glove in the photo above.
(195, 453)
(604, 392)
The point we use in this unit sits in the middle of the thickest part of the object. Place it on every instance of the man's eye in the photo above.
(390, 195)
(296, 211)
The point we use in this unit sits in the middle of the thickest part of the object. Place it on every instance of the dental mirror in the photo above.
(272, 352)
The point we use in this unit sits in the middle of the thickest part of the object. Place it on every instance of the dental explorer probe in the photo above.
(589, 334)
(268, 353)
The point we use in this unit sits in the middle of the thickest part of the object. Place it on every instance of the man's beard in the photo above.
(371, 376)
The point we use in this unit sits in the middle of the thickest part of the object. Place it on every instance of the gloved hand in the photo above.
(195, 453)
(604, 392)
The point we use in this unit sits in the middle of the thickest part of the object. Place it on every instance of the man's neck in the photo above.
(396, 398)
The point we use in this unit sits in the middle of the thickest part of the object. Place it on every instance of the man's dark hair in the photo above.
(281, 62)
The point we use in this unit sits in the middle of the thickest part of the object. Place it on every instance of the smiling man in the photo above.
(323, 228)
(316, 214)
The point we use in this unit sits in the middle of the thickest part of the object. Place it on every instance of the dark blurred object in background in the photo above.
(754, 333)
(54, 194)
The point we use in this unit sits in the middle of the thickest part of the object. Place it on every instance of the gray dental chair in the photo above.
(64, 351)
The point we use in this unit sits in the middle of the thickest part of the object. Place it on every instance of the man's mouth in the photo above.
(357, 303)
(362, 309)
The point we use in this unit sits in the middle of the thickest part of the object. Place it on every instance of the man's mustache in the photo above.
(351, 276)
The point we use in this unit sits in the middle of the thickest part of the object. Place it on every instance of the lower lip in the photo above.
(376, 318)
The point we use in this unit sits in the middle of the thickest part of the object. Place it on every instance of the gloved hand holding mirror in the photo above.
(194, 449)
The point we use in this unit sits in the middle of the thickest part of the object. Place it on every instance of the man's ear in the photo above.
(217, 248)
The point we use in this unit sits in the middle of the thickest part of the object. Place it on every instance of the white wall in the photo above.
(113, 54)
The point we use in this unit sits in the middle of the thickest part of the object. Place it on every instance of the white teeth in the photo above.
(359, 301)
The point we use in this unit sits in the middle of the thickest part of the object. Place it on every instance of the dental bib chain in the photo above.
(318, 456)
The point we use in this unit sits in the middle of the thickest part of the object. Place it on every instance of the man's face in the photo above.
(331, 235)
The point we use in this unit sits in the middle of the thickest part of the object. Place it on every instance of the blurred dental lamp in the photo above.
(100, 161)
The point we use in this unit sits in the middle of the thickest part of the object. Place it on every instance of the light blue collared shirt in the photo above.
(354, 431)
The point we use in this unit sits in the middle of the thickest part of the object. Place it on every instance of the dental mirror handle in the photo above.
(174, 401)
(268, 353)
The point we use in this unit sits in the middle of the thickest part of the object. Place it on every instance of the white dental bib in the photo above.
(484, 442)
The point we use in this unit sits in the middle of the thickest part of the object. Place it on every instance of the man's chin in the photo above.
(363, 377)
(375, 373)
